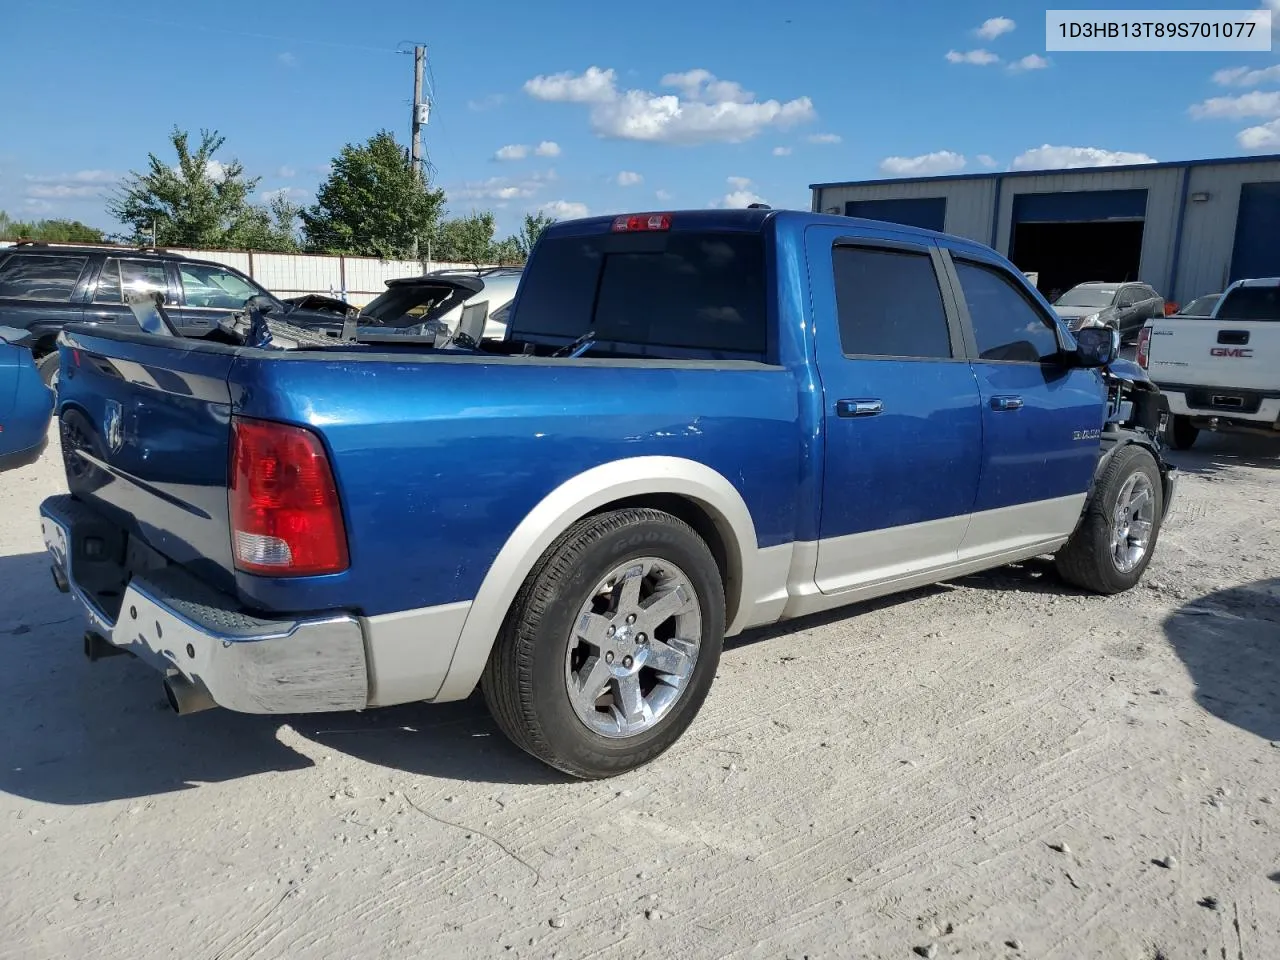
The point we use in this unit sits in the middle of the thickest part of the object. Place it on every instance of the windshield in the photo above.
(694, 291)
(1200, 306)
(1251, 303)
(1086, 297)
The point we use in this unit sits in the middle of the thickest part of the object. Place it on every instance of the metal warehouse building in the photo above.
(1187, 228)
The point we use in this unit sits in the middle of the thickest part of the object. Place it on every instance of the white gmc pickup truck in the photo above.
(1220, 372)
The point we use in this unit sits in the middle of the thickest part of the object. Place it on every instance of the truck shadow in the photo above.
(1230, 644)
(1214, 452)
(81, 732)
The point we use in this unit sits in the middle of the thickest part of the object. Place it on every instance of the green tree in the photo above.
(373, 204)
(530, 231)
(275, 227)
(50, 231)
(466, 239)
(201, 202)
(507, 252)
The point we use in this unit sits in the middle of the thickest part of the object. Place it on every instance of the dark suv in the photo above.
(43, 288)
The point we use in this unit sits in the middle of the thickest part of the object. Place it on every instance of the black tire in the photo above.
(48, 368)
(1182, 433)
(1087, 560)
(524, 680)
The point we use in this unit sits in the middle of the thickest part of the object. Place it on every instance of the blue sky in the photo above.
(600, 107)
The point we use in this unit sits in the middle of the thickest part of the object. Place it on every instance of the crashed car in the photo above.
(26, 404)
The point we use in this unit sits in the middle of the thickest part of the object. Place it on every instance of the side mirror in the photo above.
(1097, 346)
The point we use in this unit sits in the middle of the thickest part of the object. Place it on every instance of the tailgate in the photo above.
(146, 434)
(1244, 354)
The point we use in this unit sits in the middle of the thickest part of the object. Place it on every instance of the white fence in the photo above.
(354, 279)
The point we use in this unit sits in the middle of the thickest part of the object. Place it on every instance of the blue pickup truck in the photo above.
(698, 423)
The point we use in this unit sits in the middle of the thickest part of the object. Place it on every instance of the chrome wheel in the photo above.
(1132, 522)
(633, 647)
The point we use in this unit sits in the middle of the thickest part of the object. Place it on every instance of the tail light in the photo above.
(1170, 308)
(642, 222)
(1144, 347)
(286, 519)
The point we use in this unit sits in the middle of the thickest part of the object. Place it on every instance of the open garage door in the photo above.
(927, 212)
(1069, 238)
(1257, 247)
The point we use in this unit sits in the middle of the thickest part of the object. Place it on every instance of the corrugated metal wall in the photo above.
(968, 201)
(1202, 261)
(1209, 226)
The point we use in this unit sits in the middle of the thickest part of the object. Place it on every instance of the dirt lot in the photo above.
(990, 768)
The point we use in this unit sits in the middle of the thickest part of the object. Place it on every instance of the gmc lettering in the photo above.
(1241, 352)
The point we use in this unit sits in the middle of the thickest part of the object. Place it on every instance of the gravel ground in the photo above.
(995, 767)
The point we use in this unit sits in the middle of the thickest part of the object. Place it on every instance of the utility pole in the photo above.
(419, 119)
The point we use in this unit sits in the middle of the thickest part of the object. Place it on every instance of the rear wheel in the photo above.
(1110, 549)
(48, 369)
(1182, 432)
(611, 645)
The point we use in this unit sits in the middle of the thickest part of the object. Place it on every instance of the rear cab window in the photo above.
(1251, 303)
(696, 294)
(28, 277)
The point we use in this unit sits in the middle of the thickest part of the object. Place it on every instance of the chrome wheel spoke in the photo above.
(629, 706)
(629, 595)
(668, 659)
(595, 675)
(1132, 522)
(669, 603)
(593, 628)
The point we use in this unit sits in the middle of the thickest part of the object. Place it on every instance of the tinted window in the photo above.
(204, 286)
(889, 304)
(108, 283)
(1251, 303)
(1005, 324)
(1086, 297)
(690, 291)
(40, 278)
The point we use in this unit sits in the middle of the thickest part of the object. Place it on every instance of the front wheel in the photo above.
(1182, 432)
(611, 645)
(1110, 549)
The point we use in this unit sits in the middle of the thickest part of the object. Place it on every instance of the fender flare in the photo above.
(571, 501)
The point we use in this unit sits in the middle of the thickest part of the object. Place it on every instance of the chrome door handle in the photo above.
(858, 408)
(1006, 403)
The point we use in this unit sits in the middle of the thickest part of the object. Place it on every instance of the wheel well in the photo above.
(714, 531)
(44, 346)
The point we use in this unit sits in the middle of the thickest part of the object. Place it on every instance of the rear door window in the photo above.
(25, 277)
(119, 278)
(694, 291)
(889, 304)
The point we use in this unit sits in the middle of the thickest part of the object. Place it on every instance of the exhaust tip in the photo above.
(186, 697)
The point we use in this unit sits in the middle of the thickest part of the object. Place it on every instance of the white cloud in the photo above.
(1261, 137)
(979, 58)
(663, 194)
(592, 86)
(65, 186)
(565, 209)
(629, 178)
(986, 160)
(287, 59)
(215, 170)
(925, 165)
(502, 188)
(1048, 157)
(1032, 61)
(740, 194)
(512, 151)
(486, 103)
(38, 206)
(1244, 77)
(547, 148)
(995, 27)
(1252, 104)
(286, 173)
(289, 193)
(782, 151)
(825, 138)
(705, 109)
